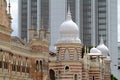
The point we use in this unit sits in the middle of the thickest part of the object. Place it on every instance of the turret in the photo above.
(5, 25)
(107, 69)
(31, 34)
(48, 35)
(36, 35)
(69, 47)
(103, 48)
(42, 33)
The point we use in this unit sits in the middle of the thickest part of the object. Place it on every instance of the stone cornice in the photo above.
(5, 45)
(26, 51)
(39, 42)
(5, 30)
(20, 51)
(20, 46)
(68, 44)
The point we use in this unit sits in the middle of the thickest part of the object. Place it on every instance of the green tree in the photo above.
(113, 77)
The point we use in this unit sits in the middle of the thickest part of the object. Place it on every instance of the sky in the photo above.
(119, 20)
(14, 13)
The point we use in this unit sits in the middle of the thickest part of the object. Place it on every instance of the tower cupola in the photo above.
(69, 31)
(103, 48)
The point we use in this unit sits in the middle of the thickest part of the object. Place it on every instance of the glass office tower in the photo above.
(32, 14)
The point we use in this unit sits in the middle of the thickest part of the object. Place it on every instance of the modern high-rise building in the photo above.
(99, 17)
(119, 58)
(95, 18)
(32, 14)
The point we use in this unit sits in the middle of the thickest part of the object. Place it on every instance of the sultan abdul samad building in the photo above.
(21, 60)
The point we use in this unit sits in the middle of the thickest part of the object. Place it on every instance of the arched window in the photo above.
(18, 66)
(0, 64)
(67, 55)
(13, 65)
(52, 74)
(75, 56)
(1, 57)
(23, 66)
(6, 62)
(37, 66)
(28, 66)
(75, 77)
(93, 78)
(67, 68)
(40, 66)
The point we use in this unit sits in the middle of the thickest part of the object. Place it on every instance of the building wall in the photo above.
(68, 66)
(118, 59)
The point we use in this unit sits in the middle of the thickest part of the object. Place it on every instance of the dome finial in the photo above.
(101, 40)
(69, 13)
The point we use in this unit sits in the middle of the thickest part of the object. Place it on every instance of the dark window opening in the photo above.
(93, 78)
(6, 65)
(13, 67)
(52, 74)
(28, 70)
(41, 66)
(37, 66)
(67, 68)
(75, 77)
(0, 64)
(119, 67)
(23, 69)
(18, 68)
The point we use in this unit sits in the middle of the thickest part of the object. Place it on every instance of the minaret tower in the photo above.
(5, 25)
(106, 59)
(40, 49)
(69, 62)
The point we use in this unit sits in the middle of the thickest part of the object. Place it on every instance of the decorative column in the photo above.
(25, 66)
(15, 66)
(21, 67)
(3, 62)
(9, 64)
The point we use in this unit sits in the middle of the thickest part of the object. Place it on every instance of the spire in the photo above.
(48, 28)
(42, 27)
(85, 49)
(32, 23)
(69, 17)
(9, 6)
(42, 31)
(9, 13)
(1, 3)
(101, 40)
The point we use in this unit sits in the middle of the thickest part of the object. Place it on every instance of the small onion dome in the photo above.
(107, 58)
(95, 51)
(103, 48)
(69, 31)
